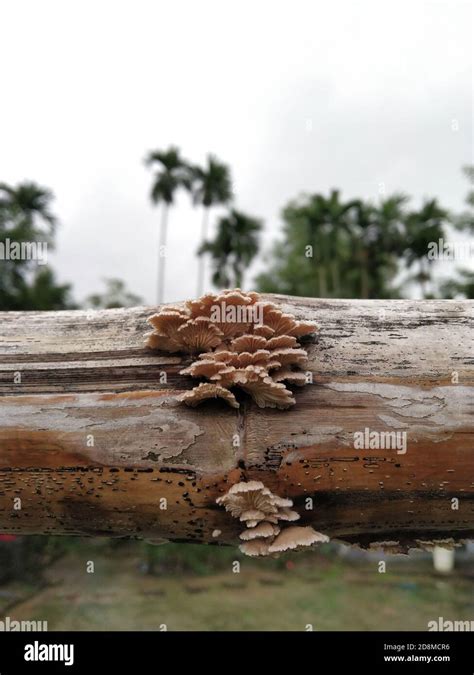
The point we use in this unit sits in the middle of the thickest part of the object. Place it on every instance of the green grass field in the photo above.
(288, 594)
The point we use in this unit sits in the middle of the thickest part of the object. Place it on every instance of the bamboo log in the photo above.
(94, 442)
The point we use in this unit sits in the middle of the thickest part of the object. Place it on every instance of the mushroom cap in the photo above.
(281, 323)
(162, 342)
(285, 374)
(235, 296)
(282, 342)
(266, 393)
(296, 537)
(252, 515)
(252, 502)
(285, 513)
(199, 334)
(201, 306)
(263, 331)
(255, 547)
(263, 529)
(259, 357)
(205, 391)
(281, 502)
(303, 328)
(289, 356)
(167, 321)
(231, 329)
(248, 343)
(203, 368)
(247, 486)
(226, 376)
(222, 355)
(258, 352)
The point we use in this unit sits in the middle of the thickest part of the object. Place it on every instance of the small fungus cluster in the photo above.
(265, 516)
(240, 341)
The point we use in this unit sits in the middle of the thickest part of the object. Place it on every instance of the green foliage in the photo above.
(421, 228)
(177, 559)
(211, 184)
(171, 173)
(466, 220)
(353, 249)
(462, 287)
(44, 294)
(26, 557)
(26, 204)
(115, 295)
(233, 248)
(25, 217)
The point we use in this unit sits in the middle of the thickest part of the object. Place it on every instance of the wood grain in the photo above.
(92, 436)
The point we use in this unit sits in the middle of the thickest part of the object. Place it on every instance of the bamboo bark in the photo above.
(92, 436)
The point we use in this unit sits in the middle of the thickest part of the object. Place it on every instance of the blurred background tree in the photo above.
(26, 216)
(171, 174)
(422, 227)
(353, 249)
(115, 295)
(234, 247)
(465, 221)
(462, 285)
(211, 185)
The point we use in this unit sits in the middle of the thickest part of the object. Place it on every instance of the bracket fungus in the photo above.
(295, 538)
(264, 514)
(239, 341)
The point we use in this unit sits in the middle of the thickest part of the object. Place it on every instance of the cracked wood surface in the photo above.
(92, 436)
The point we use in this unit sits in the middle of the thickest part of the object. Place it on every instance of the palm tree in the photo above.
(362, 227)
(377, 238)
(336, 218)
(234, 247)
(325, 222)
(26, 216)
(212, 185)
(172, 172)
(27, 203)
(422, 228)
(465, 221)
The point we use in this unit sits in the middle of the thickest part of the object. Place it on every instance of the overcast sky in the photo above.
(296, 96)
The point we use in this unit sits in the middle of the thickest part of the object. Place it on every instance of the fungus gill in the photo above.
(264, 514)
(239, 341)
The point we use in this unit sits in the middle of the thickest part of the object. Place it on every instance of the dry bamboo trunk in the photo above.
(92, 436)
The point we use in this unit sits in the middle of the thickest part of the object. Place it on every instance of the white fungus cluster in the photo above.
(240, 341)
(266, 517)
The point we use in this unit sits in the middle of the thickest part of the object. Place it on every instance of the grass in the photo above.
(203, 593)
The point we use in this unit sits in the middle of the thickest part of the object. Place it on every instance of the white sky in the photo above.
(296, 96)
